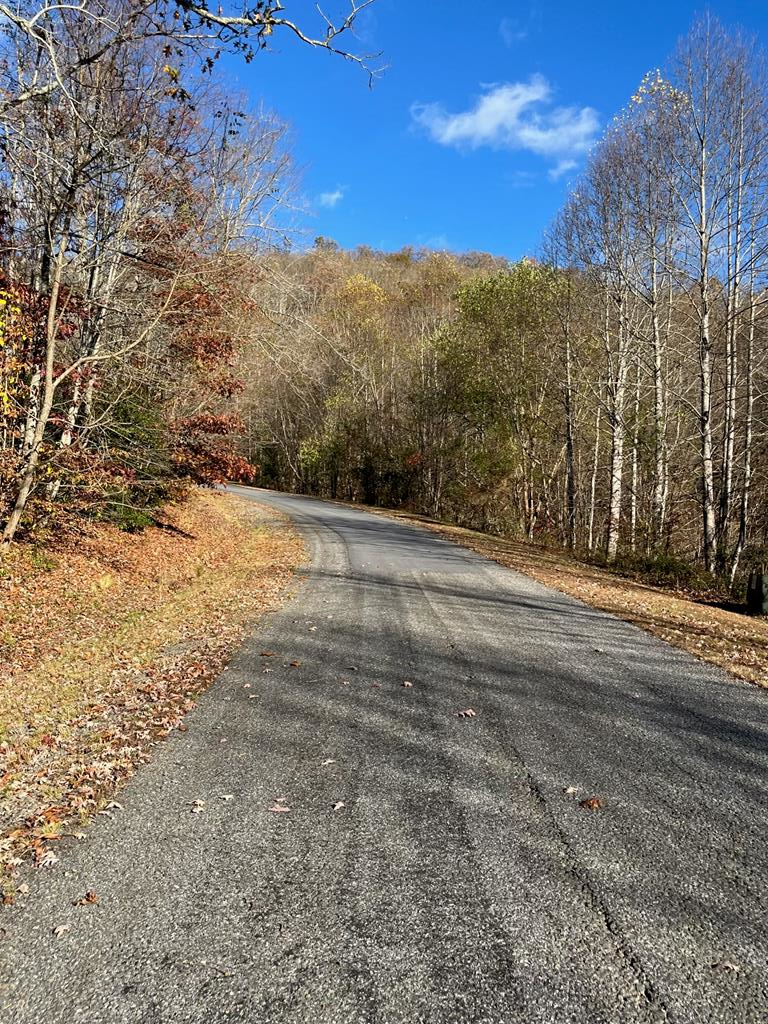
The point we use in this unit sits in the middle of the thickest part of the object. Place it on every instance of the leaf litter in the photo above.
(93, 677)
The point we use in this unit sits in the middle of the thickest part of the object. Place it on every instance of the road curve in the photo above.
(460, 881)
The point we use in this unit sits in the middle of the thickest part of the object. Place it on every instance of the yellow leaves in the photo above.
(363, 297)
(173, 73)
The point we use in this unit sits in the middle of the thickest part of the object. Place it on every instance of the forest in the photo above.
(161, 325)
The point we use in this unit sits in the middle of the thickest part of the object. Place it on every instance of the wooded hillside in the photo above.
(609, 395)
(157, 327)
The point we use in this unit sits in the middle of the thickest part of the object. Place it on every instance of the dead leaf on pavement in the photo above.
(467, 713)
(571, 790)
(267, 654)
(90, 897)
(407, 684)
(591, 803)
(726, 965)
(328, 760)
(295, 664)
(60, 929)
(198, 806)
(338, 806)
(279, 809)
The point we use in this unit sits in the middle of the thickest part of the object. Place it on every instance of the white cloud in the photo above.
(439, 242)
(331, 199)
(517, 30)
(561, 167)
(514, 115)
(512, 31)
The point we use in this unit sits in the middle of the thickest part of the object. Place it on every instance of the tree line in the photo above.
(156, 326)
(137, 198)
(609, 395)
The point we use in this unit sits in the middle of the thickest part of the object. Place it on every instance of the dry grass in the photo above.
(735, 642)
(105, 644)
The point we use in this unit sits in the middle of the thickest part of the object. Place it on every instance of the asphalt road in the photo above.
(461, 881)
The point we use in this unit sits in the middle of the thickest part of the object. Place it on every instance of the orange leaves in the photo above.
(88, 899)
(71, 737)
(591, 803)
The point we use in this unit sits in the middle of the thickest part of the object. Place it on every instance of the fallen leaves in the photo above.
(726, 966)
(327, 761)
(267, 654)
(591, 803)
(198, 806)
(279, 808)
(407, 684)
(295, 664)
(61, 929)
(466, 713)
(89, 898)
(339, 805)
(108, 673)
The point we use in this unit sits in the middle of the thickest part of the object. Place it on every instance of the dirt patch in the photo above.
(105, 644)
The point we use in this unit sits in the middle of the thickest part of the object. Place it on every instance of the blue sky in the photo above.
(483, 116)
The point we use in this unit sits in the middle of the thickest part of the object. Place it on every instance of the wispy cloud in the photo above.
(514, 115)
(331, 199)
(439, 242)
(512, 31)
(561, 167)
(517, 30)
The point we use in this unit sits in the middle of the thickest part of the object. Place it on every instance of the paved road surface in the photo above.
(459, 882)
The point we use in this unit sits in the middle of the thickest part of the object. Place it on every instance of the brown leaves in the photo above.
(155, 638)
(45, 858)
(295, 664)
(267, 654)
(89, 898)
(466, 713)
(591, 803)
